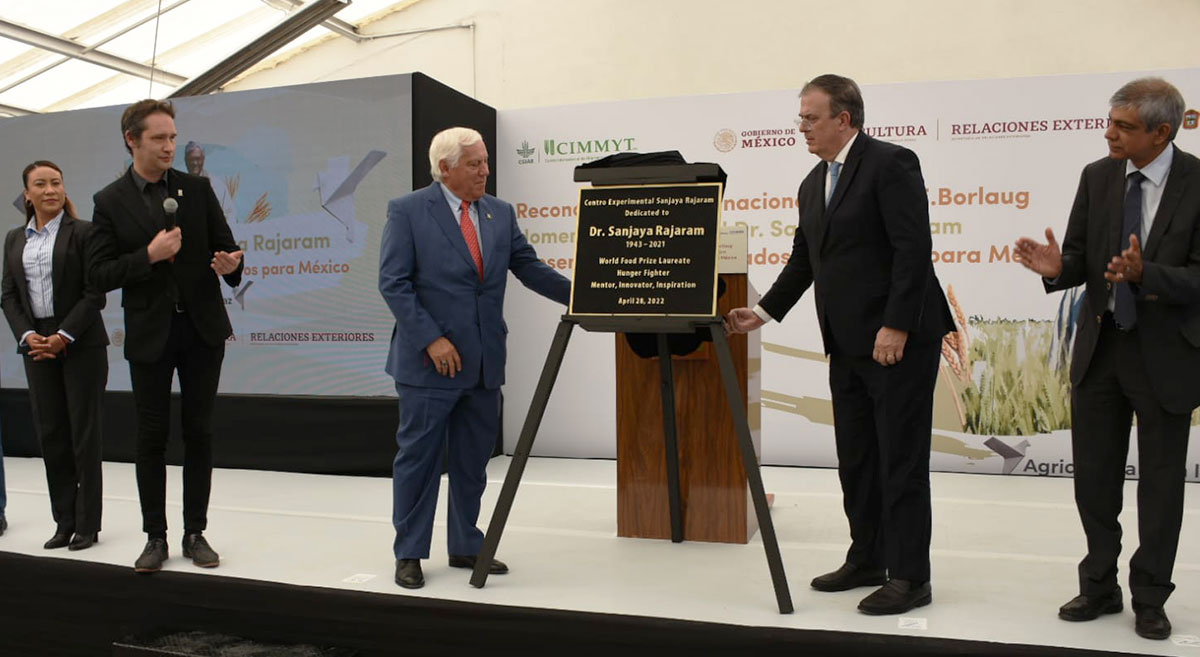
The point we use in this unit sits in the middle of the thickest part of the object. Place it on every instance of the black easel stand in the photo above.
(737, 406)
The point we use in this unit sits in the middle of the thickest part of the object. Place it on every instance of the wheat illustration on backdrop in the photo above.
(1010, 377)
(1002, 376)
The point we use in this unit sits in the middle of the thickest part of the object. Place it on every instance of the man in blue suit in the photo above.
(443, 266)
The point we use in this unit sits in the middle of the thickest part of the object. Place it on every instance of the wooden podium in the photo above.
(714, 495)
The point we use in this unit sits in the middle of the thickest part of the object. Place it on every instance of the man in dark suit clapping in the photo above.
(1133, 239)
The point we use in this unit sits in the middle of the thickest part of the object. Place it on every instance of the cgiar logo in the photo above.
(525, 152)
(1191, 119)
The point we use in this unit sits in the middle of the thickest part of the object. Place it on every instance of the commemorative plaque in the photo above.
(647, 250)
(646, 261)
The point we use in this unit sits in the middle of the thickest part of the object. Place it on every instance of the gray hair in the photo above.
(448, 146)
(1155, 100)
(844, 96)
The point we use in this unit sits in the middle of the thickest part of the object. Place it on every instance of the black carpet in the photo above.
(51, 607)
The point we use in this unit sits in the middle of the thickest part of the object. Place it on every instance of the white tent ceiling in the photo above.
(70, 54)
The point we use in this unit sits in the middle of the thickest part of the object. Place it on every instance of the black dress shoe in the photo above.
(896, 597)
(196, 548)
(3, 525)
(153, 556)
(849, 576)
(498, 567)
(408, 573)
(1151, 622)
(83, 541)
(59, 540)
(1089, 607)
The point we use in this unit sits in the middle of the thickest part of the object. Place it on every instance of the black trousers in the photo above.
(199, 367)
(1115, 387)
(67, 395)
(883, 418)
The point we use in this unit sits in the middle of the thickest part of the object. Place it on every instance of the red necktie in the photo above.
(468, 231)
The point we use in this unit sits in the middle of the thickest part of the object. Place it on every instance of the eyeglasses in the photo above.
(804, 122)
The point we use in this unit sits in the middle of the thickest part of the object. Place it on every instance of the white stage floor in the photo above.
(1004, 551)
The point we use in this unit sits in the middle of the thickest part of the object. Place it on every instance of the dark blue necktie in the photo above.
(1125, 310)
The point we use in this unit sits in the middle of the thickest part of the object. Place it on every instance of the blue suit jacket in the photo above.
(430, 283)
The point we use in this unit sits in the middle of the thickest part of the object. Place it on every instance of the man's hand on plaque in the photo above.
(742, 320)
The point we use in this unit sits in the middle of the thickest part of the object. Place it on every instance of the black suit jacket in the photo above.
(1168, 299)
(123, 229)
(868, 254)
(77, 304)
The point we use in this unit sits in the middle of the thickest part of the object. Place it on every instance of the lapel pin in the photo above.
(489, 215)
(179, 192)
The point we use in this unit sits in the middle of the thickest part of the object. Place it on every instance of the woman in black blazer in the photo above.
(54, 314)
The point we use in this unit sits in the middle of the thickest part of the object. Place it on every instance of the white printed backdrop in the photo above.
(304, 174)
(1001, 159)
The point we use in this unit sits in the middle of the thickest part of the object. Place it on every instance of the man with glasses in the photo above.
(1133, 241)
(863, 243)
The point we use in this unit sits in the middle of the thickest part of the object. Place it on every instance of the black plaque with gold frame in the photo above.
(647, 251)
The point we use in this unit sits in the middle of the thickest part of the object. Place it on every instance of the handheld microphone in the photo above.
(170, 207)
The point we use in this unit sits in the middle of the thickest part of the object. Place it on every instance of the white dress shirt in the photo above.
(1152, 190)
(840, 159)
(1152, 187)
(38, 259)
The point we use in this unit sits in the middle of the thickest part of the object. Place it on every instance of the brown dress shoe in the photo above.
(196, 548)
(152, 557)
